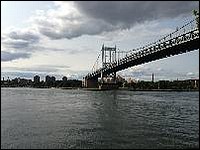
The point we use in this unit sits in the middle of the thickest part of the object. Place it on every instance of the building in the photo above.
(36, 79)
(129, 80)
(194, 83)
(152, 77)
(120, 79)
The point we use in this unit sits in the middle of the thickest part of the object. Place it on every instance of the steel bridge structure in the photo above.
(182, 40)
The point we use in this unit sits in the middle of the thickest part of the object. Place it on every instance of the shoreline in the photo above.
(150, 90)
(168, 90)
(120, 89)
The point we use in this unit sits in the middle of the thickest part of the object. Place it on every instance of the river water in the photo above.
(55, 118)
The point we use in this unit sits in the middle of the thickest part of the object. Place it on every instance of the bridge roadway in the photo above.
(181, 44)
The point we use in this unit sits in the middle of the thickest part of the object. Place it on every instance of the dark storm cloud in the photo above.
(71, 30)
(131, 12)
(97, 17)
(7, 56)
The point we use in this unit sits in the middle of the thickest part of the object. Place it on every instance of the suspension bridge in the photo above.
(183, 39)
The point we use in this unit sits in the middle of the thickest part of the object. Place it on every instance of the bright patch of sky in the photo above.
(16, 13)
(65, 38)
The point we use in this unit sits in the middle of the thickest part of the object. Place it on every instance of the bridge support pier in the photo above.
(91, 83)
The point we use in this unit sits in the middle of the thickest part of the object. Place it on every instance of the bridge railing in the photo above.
(160, 46)
(190, 26)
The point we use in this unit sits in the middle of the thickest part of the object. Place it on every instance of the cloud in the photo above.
(46, 68)
(189, 74)
(30, 75)
(73, 19)
(13, 75)
(27, 35)
(20, 39)
(15, 44)
(143, 72)
(38, 68)
(69, 31)
(68, 20)
(21, 43)
(18, 43)
(131, 12)
(7, 56)
(42, 71)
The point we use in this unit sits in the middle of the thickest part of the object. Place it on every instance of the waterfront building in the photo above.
(152, 78)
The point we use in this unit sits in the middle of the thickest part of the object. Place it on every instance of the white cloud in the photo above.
(66, 22)
(73, 19)
(190, 74)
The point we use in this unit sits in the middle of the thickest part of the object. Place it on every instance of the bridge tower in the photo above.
(108, 57)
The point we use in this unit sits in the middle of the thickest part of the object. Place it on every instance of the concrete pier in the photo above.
(90, 83)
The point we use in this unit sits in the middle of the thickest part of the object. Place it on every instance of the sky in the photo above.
(65, 38)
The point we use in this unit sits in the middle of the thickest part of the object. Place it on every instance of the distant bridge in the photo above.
(184, 39)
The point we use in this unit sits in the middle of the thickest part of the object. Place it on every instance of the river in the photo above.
(56, 118)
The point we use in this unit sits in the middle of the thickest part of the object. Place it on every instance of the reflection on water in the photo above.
(53, 118)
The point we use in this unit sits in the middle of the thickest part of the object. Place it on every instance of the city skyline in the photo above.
(64, 38)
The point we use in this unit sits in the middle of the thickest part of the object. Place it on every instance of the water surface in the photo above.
(55, 118)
